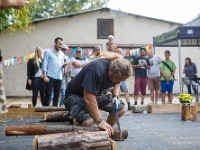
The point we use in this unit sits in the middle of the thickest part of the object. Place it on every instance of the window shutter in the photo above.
(105, 27)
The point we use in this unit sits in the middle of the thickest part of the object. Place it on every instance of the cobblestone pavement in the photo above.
(146, 132)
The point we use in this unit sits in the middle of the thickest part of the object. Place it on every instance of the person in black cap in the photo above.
(77, 62)
(96, 52)
(140, 64)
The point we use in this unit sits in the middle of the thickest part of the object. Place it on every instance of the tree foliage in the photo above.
(17, 19)
(51, 8)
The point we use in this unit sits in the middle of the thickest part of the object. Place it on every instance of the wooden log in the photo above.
(47, 109)
(50, 129)
(63, 128)
(189, 112)
(25, 130)
(56, 116)
(139, 108)
(193, 112)
(74, 141)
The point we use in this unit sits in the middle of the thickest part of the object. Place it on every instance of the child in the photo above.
(110, 40)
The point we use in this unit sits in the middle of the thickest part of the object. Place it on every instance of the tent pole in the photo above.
(180, 72)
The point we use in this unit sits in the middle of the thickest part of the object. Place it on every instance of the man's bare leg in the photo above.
(152, 96)
(170, 98)
(88, 122)
(163, 98)
(142, 99)
(127, 97)
(156, 95)
(135, 99)
(111, 117)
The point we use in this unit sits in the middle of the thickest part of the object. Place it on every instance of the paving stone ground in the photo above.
(146, 131)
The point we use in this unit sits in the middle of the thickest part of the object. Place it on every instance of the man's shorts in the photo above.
(77, 107)
(123, 86)
(167, 86)
(140, 85)
(154, 83)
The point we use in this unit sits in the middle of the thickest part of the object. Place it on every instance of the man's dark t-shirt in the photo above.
(93, 77)
(141, 71)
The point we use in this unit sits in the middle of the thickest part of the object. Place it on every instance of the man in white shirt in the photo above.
(154, 76)
(77, 63)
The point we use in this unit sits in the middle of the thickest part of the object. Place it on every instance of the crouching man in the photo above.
(85, 94)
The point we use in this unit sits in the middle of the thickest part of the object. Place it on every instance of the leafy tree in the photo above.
(15, 19)
(51, 8)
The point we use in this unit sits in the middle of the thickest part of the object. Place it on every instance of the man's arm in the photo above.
(6, 4)
(78, 64)
(115, 90)
(91, 103)
(44, 66)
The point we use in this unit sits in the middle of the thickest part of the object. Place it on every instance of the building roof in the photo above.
(113, 12)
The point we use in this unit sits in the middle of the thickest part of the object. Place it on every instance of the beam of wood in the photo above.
(47, 109)
(35, 143)
(113, 145)
(164, 108)
(56, 116)
(25, 130)
(74, 141)
(50, 129)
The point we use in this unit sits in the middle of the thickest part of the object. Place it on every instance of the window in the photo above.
(105, 27)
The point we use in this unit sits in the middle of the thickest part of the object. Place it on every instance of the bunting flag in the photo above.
(90, 53)
(15, 60)
(69, 50)
(24, 58)
(87, 53)
(127, 52)
(19, 59)
(83, 52)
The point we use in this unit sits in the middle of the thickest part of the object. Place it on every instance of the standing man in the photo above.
(85, 93)
(154, 76)
(96, 52)
(140, 64)
(52, 69)
(77, 63)
(167, 69)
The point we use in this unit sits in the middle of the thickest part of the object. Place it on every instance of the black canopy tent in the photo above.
(187, 35)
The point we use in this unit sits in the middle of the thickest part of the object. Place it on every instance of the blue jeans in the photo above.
(62, 92)
(193, 87)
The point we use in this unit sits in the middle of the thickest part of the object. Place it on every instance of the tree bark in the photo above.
(25, 130)
(189, 112)
(50, 129)
(56, 116)
(47, 109)
(74, 141)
